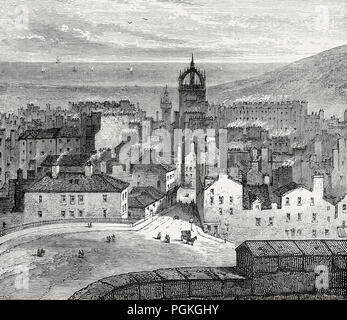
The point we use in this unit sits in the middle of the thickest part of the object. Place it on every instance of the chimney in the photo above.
(318, 186)
(103, 166)
(55, 171)
(127, 166)
(88, 169)
(266, 180)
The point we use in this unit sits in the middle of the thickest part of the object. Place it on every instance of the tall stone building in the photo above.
(166, 107)
(192, 94)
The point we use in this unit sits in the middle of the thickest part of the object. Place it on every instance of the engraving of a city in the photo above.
(173, 150)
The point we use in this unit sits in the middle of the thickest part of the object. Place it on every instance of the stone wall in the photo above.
(207, 283)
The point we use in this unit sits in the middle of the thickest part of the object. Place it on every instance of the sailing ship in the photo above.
(43, 70)
(74, 69)
(57, 60)
(91, 69)
(131, 69)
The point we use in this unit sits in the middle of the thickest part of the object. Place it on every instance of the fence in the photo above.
(9, 230)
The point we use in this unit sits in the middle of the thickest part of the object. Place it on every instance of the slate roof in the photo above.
(273, 248)
(67, 160)
(53, 133)
(141, 197)
(159, 169)
(78, 182)
(251, 193)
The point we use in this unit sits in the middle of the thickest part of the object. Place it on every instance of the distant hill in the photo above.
(321, 79)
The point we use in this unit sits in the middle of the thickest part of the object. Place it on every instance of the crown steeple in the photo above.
(192, 64)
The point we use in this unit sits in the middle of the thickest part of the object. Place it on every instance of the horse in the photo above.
(191, 240)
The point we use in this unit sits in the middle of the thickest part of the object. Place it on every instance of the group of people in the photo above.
(111, 238)
(81, 253)
(40, 252)
(89, 225)
(167, 237)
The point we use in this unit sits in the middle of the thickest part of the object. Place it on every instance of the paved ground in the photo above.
(60, 272)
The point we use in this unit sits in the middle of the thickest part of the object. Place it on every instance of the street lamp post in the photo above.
(191, 220)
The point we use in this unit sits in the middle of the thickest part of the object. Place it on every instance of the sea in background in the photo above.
(143, 82)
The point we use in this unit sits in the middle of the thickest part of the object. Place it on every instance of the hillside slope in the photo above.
(321, 79)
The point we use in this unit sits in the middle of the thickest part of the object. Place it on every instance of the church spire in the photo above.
(192, 65)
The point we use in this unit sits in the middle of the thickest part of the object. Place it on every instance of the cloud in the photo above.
(134, 28)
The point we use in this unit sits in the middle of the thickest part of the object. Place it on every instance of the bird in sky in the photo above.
(130, 22)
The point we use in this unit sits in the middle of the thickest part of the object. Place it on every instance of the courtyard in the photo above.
(60, 272)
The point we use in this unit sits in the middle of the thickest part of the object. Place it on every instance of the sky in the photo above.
(169, 30)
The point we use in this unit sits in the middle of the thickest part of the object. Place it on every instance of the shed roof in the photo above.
(313, 247)
(285, 248)
(259, 248)
(337, 247)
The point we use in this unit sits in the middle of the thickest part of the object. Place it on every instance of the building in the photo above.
(221, 198)
(290, 212)
(145, 202)
(192, 93)
(166, 107)
(273, 114)
(256, 258)
(67, 195)
(35, 145)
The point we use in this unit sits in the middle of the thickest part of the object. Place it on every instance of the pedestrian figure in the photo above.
(113, 238)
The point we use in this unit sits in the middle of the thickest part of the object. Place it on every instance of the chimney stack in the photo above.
(88, 169)
(55, 171)
(318, 186)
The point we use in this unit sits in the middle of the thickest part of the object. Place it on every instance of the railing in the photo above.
(6, 231)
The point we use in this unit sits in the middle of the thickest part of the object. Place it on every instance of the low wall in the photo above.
(5, 231)
(207, 283)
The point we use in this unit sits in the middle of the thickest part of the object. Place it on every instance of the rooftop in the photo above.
(78, 182)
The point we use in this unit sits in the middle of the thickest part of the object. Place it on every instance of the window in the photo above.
(328, 219)
(312, 201)
(212, 191)
(299, 216)
(231, 199)
(287, 233)
(158, 184)
(211, 200)
(105, 212)
(314, 217)
(299, 201)
(257, 222)
(80, 199)
(231, 210)
(39, 214)
(221, 199)
(63, 199)
(62, 213)
(314, 233)
(40, 199)
(104, 197)
(72, 213)
(271, 221)
(72, 199)
(80, 212)
(299, 232)
(220, 210)
(328, 208)
(287, 201)
(344, 207)
(292, 232)
(288, 217)
(327, 232)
